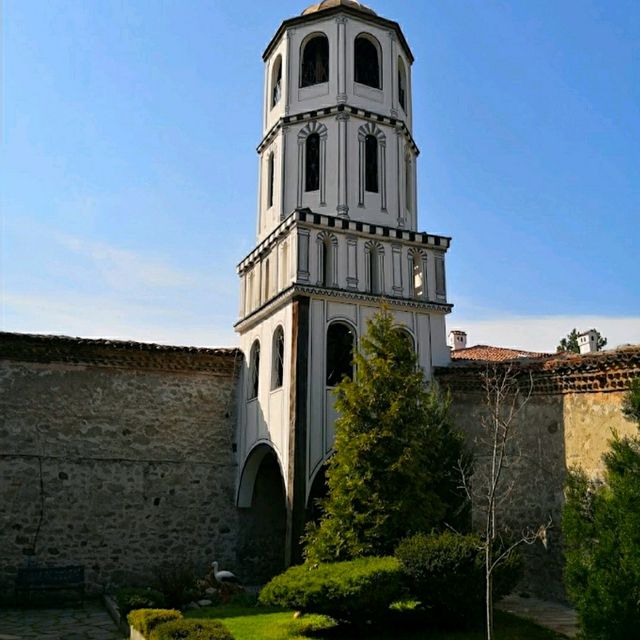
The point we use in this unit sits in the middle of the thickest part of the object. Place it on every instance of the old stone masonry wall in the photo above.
(116, 456)
(568, 421)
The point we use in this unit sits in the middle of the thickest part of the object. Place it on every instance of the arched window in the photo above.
(270, 177)
(277, 354)
(276, 82)
(367, 63)
(254, 370)
(408, 183)
(326, 264)
(417, 275)
(402, 85)
(315, 61)
(340, 343)
(371, 164)
(312, 163)
(407, 337)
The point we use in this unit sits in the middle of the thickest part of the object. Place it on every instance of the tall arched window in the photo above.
(270, 178)
(315, 61)
(312, 163)
(276, 82)
(402, 85)
(254, 370)
(340, 344)
(375, 255)
(417, 274)
(367, 63)
(277, 354)
(371, 164)
(326, 264)
(407, 337)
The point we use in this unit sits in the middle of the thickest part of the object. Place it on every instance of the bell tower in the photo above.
(337, 236)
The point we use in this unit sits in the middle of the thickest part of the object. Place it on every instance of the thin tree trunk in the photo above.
(489, 588)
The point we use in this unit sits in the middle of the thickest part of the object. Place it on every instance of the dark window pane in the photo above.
(367, 70)
(402, 85)
(340, 341)
(278, 359)
(371, 164)
(276, 91)
(315, 62)
(254, 373)
(312, 164)
(270, 178)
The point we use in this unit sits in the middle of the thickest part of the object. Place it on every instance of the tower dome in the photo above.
(331, 4)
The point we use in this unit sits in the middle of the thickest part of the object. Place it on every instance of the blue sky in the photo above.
(129, 168)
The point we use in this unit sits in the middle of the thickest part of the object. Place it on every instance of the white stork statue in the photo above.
(224, 577)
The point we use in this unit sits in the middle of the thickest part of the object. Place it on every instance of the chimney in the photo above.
(588, 341)
(457, 340)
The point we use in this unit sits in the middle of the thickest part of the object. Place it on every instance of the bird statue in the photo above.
(224, 577)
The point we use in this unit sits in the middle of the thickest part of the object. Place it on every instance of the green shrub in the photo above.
(178, 583)
(446, 573)
(192, 630)
(146, 620)
(355, 589)
(130, 598)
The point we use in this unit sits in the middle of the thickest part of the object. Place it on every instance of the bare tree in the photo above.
(492, 481)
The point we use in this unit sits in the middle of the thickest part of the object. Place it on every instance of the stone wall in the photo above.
(568, 421)
(117, 456)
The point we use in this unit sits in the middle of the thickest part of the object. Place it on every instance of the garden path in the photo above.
(552, 615)
(89, 622)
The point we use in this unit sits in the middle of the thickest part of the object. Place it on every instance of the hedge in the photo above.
(130, 598)
(352, 590)
(146, 620)
(191, 630)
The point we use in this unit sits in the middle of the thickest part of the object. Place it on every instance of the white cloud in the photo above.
(542, 333)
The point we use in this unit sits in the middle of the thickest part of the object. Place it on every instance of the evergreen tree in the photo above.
(570, 343)
(601, 526)
(394, 467)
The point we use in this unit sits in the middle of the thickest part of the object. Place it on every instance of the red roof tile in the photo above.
(487, 353)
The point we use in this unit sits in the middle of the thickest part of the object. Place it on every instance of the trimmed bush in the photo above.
(356, 589)
(446, 573)
(146, 620)
(130, 598)
(192, 630)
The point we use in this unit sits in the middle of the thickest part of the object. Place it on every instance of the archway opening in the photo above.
(261, 542)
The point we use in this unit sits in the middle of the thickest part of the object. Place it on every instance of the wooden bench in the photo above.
(31, 579)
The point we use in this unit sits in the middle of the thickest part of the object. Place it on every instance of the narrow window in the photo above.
(254, 371)
(340, 342)
(315, 61)
(367, 65)
(266, 283)
(440, 279)
(374, 270)
(402, 85)
(276, 82)
(371, 164)
(312, 163)
(284, 267)
(277, 375)
(407, 182)
(418, 276)
(327, 262)
(270, 176)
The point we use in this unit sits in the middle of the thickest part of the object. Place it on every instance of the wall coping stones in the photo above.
(24, 347)
(562, 373)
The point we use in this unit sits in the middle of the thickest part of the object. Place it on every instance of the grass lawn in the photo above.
(255, 623)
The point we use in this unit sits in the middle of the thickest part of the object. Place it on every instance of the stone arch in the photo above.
(262, 515)
(327, 244)
(367, 132)
(374, 266)
(311, 129)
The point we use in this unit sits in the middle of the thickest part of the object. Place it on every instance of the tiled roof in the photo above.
(486, 353)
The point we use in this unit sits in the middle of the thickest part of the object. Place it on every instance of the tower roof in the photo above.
(330, 4)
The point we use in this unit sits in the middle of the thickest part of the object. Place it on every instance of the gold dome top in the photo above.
(330, 4)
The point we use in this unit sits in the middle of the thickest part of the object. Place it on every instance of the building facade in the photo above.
(337, 236)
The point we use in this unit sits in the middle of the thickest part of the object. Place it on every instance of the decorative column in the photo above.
(352, 262)
(399, 173)
(396, 265)
(394, 72)
(300, 175)
(323, 167)
(382, 146)
(283, 173)
(342, 208)
(341, 21)
(287, 60)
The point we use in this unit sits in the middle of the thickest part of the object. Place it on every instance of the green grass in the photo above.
(259, 623)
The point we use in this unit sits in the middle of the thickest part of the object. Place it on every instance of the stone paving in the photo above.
(89, 622)
(552, 615)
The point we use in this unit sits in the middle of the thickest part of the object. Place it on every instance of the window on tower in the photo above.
(315, 61)
(312, 163)
(402, 85)
(340, 343)
(371, 163)
(277, 374)
(254, 370)
(375, 256)
(270, 176)
(367, 62)
(276, 82)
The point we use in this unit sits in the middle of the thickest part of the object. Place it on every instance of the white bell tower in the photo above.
(336, 237)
